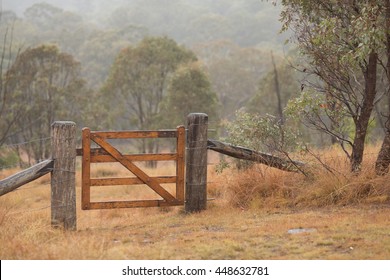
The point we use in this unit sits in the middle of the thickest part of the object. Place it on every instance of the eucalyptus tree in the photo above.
(344, 49)
(10, 106)
(46, 84)
(383, 160)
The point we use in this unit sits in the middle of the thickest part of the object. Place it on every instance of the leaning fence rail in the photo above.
(247, 154)
(26, 176)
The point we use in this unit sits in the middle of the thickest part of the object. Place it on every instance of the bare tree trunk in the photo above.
(361, 123)
(151, 149)
(383, 161)
(277, 91)
(331, 103)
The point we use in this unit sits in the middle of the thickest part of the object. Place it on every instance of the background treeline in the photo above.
(147, 64)
(131, 64)
(94, 31)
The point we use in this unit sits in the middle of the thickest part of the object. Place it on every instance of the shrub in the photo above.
(260, 133)
(8, 158)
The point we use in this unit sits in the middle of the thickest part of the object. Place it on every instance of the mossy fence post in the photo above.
(196, 163)
(63, 177)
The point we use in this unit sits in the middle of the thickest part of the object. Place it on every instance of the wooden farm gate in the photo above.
(108, 153)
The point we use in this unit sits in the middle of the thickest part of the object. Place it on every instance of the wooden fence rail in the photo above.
(26, 176)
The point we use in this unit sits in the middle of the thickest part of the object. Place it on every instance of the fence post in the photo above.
(196, 164)
(63, 185)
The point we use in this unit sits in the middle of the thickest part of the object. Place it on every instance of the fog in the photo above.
(247, 23)
(231, 39)
(84, 7)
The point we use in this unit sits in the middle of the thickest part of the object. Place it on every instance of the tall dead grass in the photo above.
(221, 232)
(330, 183)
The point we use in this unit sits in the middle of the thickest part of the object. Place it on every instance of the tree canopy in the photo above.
(46, 86)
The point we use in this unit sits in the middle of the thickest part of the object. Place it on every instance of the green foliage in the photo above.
(344, 45)
(262, 133)
(45, 85)
(8, 158)
(315, 112)
(349, 31)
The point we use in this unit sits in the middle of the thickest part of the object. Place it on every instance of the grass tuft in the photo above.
(260, 186)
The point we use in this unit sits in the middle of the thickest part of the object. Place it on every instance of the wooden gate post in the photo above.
(63, 179)
(196, 164)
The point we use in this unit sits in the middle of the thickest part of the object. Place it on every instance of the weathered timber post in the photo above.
(63, 179)
(196, 164)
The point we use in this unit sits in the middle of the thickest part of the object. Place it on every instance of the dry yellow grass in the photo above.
(267, 187)
(348, 217)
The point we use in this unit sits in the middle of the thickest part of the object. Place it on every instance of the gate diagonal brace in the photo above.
(151, 182)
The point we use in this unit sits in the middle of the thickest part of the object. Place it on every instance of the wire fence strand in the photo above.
(25, 143)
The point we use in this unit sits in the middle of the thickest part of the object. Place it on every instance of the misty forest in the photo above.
(261, 70)
(301, 86)
(146, 65)
(136, 65)
(275, 76)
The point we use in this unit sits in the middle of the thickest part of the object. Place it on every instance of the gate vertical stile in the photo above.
(86, 169)
(180, 162)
